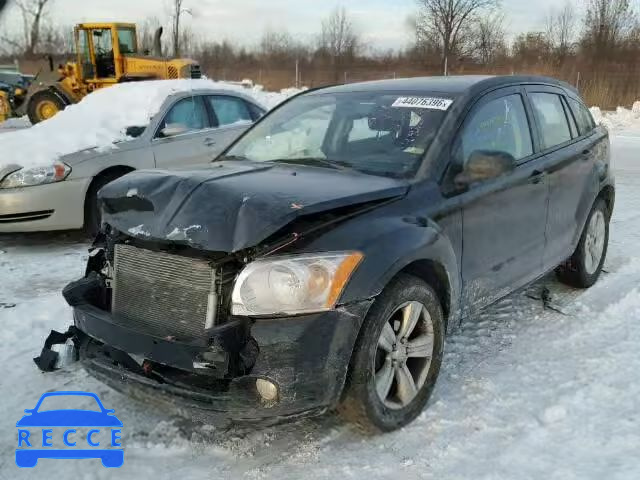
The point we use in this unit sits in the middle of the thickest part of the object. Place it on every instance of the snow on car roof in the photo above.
(100, 119)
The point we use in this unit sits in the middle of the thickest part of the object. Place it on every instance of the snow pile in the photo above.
(622, 118)
(22, 122)
(101, 119)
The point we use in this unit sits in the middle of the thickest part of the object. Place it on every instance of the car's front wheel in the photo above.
(585, 265)
(397, 357)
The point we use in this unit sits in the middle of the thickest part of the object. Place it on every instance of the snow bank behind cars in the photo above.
(100, 120)
(619, 119)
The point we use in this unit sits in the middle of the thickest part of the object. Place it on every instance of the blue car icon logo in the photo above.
(35, 433)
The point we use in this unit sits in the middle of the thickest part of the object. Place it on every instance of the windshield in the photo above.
(378, 133)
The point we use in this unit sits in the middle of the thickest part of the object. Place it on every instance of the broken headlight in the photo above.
(294, 284)
(27, 177)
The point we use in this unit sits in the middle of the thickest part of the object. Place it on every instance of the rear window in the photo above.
(583, 117)
(552, 119)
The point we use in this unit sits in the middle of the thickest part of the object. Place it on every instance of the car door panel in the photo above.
(503, 219)
(569, 175)
(188, 149)
(504, 234)
(570, 167)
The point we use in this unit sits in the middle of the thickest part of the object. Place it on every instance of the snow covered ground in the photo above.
(525, 392)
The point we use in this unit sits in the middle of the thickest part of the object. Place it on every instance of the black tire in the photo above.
(361, 403)
(574, 272)
(92, 213)
(37, 99)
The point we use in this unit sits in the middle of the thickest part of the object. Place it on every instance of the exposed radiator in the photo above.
(163, 294)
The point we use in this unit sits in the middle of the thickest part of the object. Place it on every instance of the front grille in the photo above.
(195, 71)
(162, 294)
(173, 72)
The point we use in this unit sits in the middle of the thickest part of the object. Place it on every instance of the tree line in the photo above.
(588, 38)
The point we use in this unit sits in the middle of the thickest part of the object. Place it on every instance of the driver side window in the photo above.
(189, 112)
(499, 125)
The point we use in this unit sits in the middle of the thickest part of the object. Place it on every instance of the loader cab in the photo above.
(101, 47)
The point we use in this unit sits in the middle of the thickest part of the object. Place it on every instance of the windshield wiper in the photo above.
(317, 161)
(230, 157)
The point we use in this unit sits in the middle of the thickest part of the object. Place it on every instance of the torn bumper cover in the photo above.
(306, 357)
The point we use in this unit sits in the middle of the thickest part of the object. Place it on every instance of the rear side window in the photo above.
(499, 125)
(229, 110)
(583, 116)
(552, 119)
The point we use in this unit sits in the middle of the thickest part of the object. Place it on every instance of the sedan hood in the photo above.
(229, 206)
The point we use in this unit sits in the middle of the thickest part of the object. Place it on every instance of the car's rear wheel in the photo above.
(585, 265)
(397, 357)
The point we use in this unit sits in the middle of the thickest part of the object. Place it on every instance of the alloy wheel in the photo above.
(403, 355)
(594, 242)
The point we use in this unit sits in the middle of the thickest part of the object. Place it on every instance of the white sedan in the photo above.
(45, 186)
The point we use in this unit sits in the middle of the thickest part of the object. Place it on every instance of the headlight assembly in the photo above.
(28, 177)
(293, 285)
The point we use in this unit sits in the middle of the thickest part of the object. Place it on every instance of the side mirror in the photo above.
(485, 165)
(173, 129)
(134, 132)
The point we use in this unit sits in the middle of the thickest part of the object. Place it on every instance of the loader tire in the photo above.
(44, 105)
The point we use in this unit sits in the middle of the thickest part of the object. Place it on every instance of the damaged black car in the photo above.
(320, 261)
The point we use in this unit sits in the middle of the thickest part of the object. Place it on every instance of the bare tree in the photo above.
(338, 39)
(177, 11)
(146, 35)
(606, 25)
(560, 30)
(275, 44)
(34, 15)
(488, 36)
(447, 21)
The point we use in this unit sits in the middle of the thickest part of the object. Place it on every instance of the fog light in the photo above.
(267, 390)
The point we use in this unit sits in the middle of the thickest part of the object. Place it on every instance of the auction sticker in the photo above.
(431, 103)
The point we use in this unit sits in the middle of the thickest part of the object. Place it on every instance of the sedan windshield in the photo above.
(377, 133)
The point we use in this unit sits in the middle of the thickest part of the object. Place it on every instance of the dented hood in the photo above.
(232, 205)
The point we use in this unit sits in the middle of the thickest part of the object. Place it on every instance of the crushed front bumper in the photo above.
(306, 357)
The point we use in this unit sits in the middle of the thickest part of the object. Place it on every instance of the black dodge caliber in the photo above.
(320, 261)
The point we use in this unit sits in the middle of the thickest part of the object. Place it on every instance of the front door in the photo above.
(504, 218)
(196, 145)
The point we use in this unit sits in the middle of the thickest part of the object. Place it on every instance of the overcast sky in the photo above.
(382, 23)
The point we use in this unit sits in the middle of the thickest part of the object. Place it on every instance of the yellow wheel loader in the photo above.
(4, 107)
(106, 54)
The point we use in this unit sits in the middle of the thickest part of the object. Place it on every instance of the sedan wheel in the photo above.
(583, 268)
(594, 242)
(403, 356)
(397, 357)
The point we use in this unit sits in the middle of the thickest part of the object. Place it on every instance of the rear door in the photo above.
(570, 159)
(196, 145)
(504, 218)
(232, 116)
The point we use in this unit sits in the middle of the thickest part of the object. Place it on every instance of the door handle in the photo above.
(209, 142)
(537, 176)
(586, 154)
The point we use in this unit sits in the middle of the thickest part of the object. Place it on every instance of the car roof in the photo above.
(455, 85)
(216, 91)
